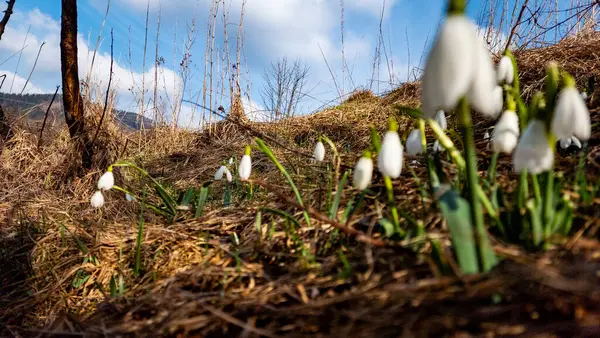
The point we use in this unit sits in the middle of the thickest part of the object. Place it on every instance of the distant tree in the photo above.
(283, 87)
(72, 101)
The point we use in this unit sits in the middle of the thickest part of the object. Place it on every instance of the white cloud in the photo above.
(18, 84)
(126, 82)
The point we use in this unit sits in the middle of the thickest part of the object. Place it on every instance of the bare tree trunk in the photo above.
(72, 101)
(5, 130)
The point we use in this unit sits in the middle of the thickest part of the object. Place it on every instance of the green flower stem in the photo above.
(523, 190)
(392, 205)
(447, 143)
(421, 123)
(537, 193)
(488, 258)
(548, 207)
(493, 169)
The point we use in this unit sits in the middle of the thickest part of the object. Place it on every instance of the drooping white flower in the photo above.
(449, 69)
(437, 147)
(223, 170)
(363, 172)
(245, 165)
(486, 138)
(106, 181)
(575, 141)
(129, 198)
(533, 152)
(319, 153)
(565, 142)
(506, 133)
(505, 72)
(458, 65)
(230, 160)
(484, 95)
(571, 116)
(498, 97)
(391, 155)
(440, 118)
(97, 200)
(413, 143)
(584, 96)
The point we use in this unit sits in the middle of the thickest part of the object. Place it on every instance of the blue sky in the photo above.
(272, 29)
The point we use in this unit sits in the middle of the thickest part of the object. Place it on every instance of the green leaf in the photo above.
(201, 201)
(188, 197)
(457, 213)
(388, 227)
(338, 196)
(113, 287)
(140, 236)
(408, 111)
(265, 149)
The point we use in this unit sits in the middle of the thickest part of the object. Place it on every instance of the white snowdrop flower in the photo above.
(245, 165)
(223, 170)
(391, 155)
(230, 160)
(571, 116)
(437, 147)
(129, 198)
(505, 72)
(533, 152)
(486, 138)
(484, 95)
(565, 142)
(106, 181)
(319, 153)
(449, 69)
(363, 172)
(506, 133)
(440, 118)
(458, 65)
(97, 200)
(584, 96)
(575, 141)
(498, 97)
(413, 143)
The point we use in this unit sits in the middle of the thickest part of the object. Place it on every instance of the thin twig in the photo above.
(33, 68)
(514, 27)
(46, 116)
(107, 88)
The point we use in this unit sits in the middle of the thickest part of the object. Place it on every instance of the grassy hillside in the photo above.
(249, 259)
(34, 107)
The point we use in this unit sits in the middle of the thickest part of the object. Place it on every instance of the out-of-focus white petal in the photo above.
(413, 143)
(449, 68)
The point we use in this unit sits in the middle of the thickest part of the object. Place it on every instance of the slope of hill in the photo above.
(34, 107)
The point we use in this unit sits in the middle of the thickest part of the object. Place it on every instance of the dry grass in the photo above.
(197, 280)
